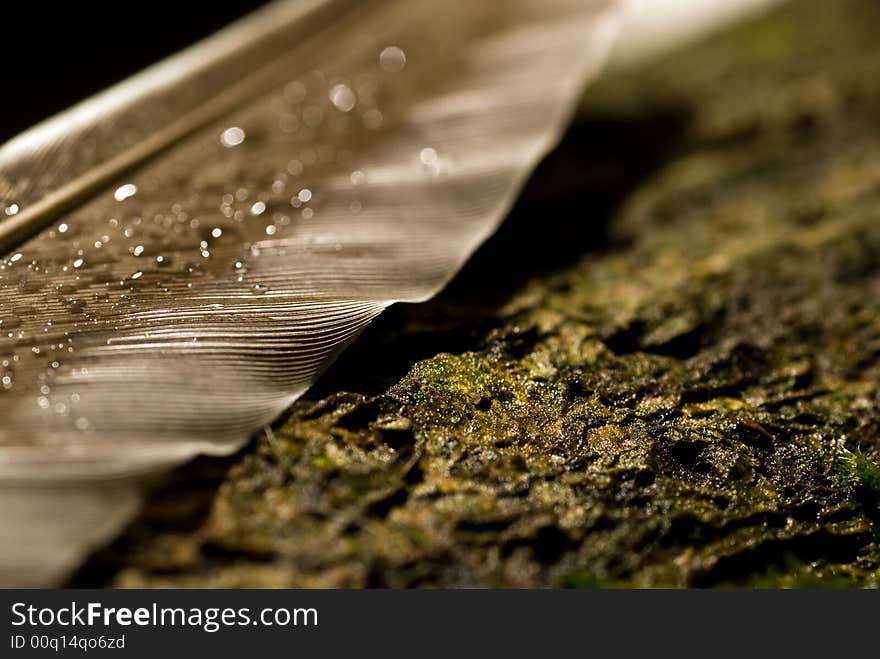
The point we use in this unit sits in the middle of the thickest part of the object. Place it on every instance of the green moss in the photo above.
(856, 471)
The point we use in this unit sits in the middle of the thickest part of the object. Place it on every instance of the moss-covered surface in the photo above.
(664, 370)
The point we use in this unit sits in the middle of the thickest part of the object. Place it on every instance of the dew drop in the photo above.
(294, 167)
(216, 232)
(259, 289)
(295, 92)
(137, 251)
(258, 208)
(342, 97)
(373, 119)
(123, 192)
(62, 228)
(428, 156)
(305, 195)
(232, 136)
(392, 59)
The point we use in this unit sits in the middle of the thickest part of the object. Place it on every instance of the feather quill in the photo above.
(185, 252)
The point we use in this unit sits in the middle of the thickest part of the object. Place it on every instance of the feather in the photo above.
(187, 251)
(207, 236)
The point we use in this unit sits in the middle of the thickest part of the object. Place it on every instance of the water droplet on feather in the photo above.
(392, 59)
(343, 98)
(232, 136)
(123, 192)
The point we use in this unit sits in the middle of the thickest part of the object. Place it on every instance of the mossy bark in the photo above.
(663, 371)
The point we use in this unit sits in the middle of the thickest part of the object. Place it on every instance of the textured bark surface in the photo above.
(664, 370)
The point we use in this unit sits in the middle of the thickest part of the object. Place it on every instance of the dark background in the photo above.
(57, 53)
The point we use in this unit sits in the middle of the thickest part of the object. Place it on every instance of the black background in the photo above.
(57, 53)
